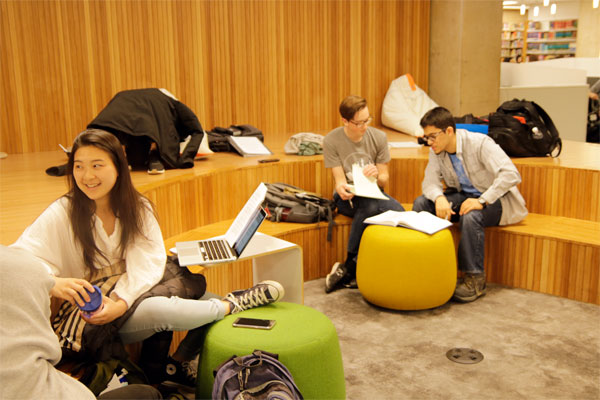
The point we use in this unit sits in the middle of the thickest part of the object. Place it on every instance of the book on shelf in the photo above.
(248, 146)
(421, 221)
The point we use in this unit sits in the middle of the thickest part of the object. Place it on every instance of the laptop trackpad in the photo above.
(189, 252)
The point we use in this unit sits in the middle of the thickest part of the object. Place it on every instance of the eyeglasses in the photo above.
(431, 138)
(361, 123)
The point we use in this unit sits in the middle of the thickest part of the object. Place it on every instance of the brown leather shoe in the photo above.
(471, 288)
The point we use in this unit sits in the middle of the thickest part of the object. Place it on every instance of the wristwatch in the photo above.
(482, 202)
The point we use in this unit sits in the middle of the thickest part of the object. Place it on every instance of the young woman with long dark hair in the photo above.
(104, 226)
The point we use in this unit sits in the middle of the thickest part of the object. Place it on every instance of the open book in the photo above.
(420, 221)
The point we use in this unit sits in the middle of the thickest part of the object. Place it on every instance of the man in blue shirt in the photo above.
(481, 190)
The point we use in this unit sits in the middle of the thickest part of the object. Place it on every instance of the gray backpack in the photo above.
(259, 375)
(287, 203)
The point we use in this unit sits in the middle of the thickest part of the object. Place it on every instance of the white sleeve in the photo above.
(145, 260)
(49, 238)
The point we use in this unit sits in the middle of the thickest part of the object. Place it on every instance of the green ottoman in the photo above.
(304, 338)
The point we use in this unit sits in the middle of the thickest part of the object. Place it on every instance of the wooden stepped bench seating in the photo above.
(216, 188)
(547, 254)
(555, 250)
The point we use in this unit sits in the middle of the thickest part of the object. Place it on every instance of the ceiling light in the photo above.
(553, 9)
(546, 2)
(595, 3)
(536, 11)
(509, 2)
(522, 9)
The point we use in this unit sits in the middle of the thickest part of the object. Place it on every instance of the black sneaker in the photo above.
(470, 288)
(155, 166)
(351, 284)
(334, 278)
(264, 293)
(182, 373)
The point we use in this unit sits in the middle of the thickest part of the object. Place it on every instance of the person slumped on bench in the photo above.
(151, 123)
(104, 227)
(481, 190)
(355, 143)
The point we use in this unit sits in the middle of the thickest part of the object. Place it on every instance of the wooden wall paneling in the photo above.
(548, 253)
(568, 192)
(595, 278)
(285, 69)
(544, 265)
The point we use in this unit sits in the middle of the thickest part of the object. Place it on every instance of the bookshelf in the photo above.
(513, 42)
(551, 39)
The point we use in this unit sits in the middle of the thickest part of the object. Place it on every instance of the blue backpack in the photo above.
(259, 375)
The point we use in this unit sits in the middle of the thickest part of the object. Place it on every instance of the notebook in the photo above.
(229, 247)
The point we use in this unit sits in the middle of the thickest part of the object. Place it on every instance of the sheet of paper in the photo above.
(244, 216)
(364, 186)
(404, 145)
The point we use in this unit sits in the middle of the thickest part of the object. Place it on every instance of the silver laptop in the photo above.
(229, 247)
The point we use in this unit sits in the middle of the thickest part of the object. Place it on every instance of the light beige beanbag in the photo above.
(404, 105)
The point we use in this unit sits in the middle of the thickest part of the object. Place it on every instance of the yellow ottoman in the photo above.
(404, 269)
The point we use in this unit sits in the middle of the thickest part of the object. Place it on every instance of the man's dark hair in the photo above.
(439, 117)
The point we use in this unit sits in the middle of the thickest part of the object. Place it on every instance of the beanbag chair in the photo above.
(404, 105)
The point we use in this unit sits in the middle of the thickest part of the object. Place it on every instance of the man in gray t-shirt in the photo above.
(355, 143)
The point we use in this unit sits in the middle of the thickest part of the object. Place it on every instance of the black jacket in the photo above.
(152, 113)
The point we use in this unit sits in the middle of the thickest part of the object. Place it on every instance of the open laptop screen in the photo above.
(242, 220)
(249, 231)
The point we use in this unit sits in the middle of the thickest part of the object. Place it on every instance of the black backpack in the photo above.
(217, 138)
(523, 129)
(287, 203)
(259, 375)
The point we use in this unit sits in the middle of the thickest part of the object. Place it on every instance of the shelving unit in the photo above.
(551, 39)
(513, 44)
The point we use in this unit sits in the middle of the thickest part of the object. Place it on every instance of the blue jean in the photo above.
(472, 228)
(157, 314)
(362, 208)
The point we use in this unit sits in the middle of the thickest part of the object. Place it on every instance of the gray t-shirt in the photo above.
(339, 150)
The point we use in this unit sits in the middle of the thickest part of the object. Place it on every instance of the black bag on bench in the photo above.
(523, 129)
(217, 138)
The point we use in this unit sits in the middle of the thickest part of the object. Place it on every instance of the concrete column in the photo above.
(464, 55)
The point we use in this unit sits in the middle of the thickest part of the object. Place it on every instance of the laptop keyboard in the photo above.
(214, 250)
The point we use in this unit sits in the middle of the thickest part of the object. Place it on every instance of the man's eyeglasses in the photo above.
(431, 138)
(361, 123)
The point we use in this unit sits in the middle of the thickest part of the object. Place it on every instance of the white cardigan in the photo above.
(50, 238)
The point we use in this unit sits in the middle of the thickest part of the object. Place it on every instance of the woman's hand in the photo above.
(71, 289)
(111, 310)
